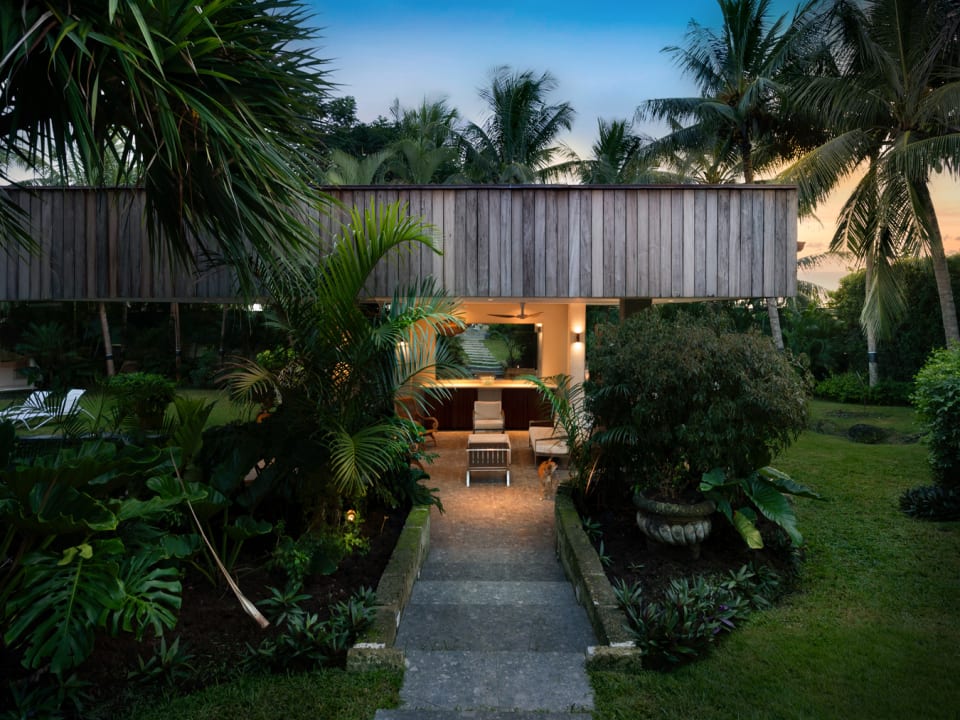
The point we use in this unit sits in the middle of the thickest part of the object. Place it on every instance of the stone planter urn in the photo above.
(675, 524)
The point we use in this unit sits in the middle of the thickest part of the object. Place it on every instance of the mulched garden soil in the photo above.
(633, 558)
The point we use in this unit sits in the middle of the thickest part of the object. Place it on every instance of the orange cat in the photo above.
(548, 485)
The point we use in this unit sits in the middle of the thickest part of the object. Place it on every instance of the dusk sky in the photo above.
(605, 56)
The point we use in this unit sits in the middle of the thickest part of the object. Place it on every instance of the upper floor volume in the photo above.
(529, 241)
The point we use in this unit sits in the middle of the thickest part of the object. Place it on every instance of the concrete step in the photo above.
(538, 570)
(494, 682)
(468, 628)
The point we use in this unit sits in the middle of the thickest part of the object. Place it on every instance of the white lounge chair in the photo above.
(35, 402)
(37, 409)
(487, 416)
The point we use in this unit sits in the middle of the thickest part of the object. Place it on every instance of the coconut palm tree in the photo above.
(207, 106)
(345, 169)
(616, 157)
(518, 141)
(893, 104)
(741, 71)
(426, 151)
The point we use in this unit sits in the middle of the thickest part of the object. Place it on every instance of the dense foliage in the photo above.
(694, 613)
(675, 400)
(917, 331)
(937, 400)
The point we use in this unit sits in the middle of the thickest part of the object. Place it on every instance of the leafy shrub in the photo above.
(316, 553)
(851, 387)
(302, 640)
(931, 502)
(694, 612)
(142, 396)
(59, 366)
(678, 399)
(169, 665)
(937, 400)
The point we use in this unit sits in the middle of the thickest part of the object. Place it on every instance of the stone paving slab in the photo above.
(484, 592)
(535, 570)
(535, 628)
(551, 682)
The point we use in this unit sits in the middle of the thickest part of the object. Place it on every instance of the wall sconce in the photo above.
(577, 335)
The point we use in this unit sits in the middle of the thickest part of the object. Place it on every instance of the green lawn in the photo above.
(872, 631)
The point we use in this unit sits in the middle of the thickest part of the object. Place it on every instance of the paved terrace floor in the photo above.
(493, 630)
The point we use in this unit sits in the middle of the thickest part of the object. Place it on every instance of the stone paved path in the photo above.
(493, 630)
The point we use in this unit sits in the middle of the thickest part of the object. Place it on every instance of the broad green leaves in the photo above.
(763, 490)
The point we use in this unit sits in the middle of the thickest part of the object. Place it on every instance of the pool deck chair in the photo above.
(38, 414)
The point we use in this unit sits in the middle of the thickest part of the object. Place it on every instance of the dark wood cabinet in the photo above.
(520, 406)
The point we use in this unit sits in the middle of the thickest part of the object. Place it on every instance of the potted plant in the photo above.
(677, 400)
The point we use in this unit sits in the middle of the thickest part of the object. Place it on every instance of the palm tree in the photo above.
(345, 169)
(208, 107)
(352, 360)
(742, 72)
(426, 151)
(517, 142)
(616, 156)
(893, 104)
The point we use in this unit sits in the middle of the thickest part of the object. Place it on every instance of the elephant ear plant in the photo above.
(691, 410)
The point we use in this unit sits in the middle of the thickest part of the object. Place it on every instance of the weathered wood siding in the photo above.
(518, 242)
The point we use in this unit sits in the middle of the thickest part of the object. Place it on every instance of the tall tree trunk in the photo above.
(107, 344)
(941, 271)
(746, 157)
(175, 312)
(774, 314)
(872, 368)
(223, 332)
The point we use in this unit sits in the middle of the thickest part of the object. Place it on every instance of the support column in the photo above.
(631, 306)
(576, 350)
(107, 344)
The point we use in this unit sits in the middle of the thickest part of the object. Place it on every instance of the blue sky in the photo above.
(606, 57)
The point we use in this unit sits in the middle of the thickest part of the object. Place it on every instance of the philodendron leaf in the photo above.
(151, 597)
(245, 527)
(52, 508)
(61, 601)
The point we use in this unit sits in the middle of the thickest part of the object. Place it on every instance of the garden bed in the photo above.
(628, 556)
(214, 628)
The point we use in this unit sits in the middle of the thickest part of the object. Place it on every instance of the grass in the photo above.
(872, 631)
(323, 695)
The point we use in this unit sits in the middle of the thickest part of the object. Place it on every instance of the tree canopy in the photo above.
(210, 107)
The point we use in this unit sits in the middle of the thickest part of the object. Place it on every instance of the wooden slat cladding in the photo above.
(519, 242)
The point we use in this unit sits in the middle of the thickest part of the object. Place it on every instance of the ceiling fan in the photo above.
(522, 316)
